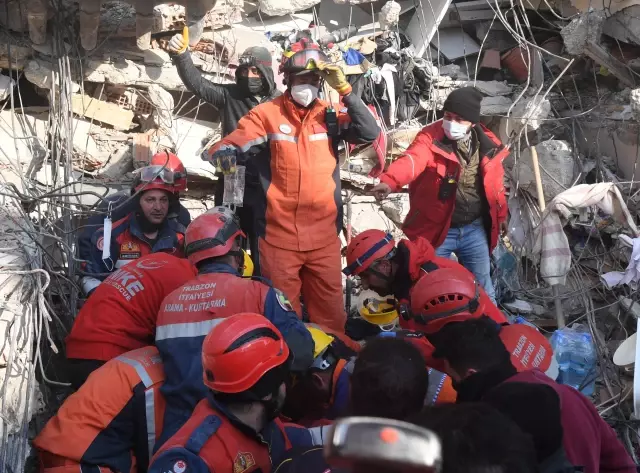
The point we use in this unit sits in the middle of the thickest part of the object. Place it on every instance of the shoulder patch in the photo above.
(100, 243)
(243, 461)
(180, 466)
(283, 301)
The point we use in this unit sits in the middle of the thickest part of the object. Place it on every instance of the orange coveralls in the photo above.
(299, 214)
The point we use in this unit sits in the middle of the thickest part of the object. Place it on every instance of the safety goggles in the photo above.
(151, 173)
(305, 60)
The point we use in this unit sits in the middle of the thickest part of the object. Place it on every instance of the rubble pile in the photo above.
(561, 89)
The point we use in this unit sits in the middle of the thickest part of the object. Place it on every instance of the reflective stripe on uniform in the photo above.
(282, 137)
(255, 142)
(150, 410)
(140, 369)
(318, 137)
(186, 330)
(122, 262)
(436, 381)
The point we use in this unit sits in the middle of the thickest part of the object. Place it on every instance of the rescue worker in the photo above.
(114, 418)
(121, 315)
(389, 379)
(382, 316)
(145, 230)
(452, 295)
(389, 270)
(322, 391)
(236, 427)
(556, 416)
(254, 85)
(294, 141)
(456, 185)
(219, 291)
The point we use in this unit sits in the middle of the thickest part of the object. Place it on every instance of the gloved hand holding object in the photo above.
(376, 445)
(334, 76)
(224, 159)
(180, 42)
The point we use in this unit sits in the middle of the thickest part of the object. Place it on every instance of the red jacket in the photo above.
(121, 314)
(116, 415)
(419, 258)
(424, 165)
(588, 440)
(422, 260)
(214, 441)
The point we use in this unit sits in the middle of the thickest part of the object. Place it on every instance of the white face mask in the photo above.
(304, 94)
(455, 131)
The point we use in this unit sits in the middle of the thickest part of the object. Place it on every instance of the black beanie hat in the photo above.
(464, 102)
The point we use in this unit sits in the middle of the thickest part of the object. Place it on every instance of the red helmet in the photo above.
(239, 351)
(302, 56)
(365, 248)
(529, 349)
(165, 171)
(211, 234)
(445, 295)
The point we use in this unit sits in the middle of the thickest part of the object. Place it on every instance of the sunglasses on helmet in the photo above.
(151, 173)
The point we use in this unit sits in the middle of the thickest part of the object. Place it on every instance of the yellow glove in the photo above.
(334, 77)
(180, 42)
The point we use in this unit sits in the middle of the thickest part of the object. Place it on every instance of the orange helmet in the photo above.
(165, 171)
(367, 247)
(212, 234)
(239, 350)
(445, 295)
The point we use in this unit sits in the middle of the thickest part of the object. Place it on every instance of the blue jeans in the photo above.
(471, 246)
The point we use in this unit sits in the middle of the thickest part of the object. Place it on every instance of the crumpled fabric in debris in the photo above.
(352, 57)
(551, 242)
(631, 275)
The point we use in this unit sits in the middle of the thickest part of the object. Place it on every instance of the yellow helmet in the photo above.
(321, 341)
(247, 267)
(379, 311)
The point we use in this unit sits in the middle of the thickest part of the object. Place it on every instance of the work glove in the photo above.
(224, 159)
(334, 77)
(380, 191)
(180, 42)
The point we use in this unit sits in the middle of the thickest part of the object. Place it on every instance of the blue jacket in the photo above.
(188, 314)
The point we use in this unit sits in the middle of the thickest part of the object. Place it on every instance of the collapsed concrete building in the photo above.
(89, 94)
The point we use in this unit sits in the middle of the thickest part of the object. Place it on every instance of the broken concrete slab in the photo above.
(119, 164)
(491, 88)
(529, 112)
(396, 208)
(285, 7)
(367, 214)
(336, 16)
(105, 112)
(424, 24)
(24, 140)
(40, 73)
(454, 43)
(498, 105)
(584, 29)
(389, 15)
(92, 157)
(20, 53)
(6, 87)
(624, 25)
(164, 104)
(191, 136)
(556, 163)
(635, 102)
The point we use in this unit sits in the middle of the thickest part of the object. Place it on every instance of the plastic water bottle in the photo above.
(576, 356)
